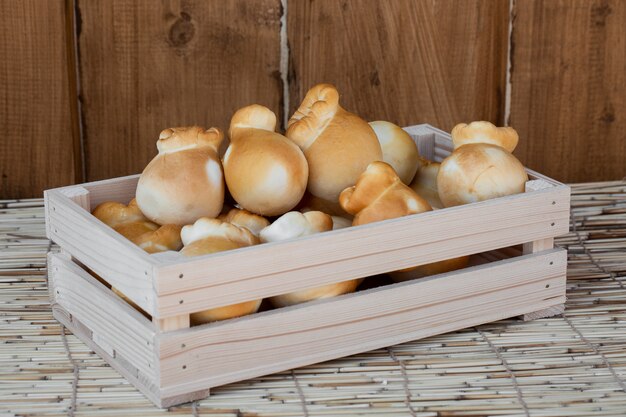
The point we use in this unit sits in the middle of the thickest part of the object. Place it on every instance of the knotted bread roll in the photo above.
(130, 222)
(478, 172)
(484, 132)
(240, 217)
(379, 194)
(184, 181)
(399, 150)
(295, 224)
(207, 236)
(338, 145)
(265, 172)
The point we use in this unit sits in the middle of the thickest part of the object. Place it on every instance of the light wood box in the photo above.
(171, 362)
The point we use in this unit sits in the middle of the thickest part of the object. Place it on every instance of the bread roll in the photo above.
(207, 236)
(184, 181)
(425, 183)
(484, 132)
(166, 237)
(112, 213)
(430, 269)
(244, 218)
(379, 194)
(130, 222)
(399, 150)
(265, 172)
(295, 224)
(477, 172)
(338, 145)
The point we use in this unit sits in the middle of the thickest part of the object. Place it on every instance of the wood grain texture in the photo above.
(281, 339)
(117, 327)
(569, 87)
(146, 66)
(404, 61)
(39, 142)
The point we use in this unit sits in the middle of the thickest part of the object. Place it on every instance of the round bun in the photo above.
(226, 312)
(484, 132)
(133, 230)
(425, 183)
(338, 145)
(239, 217)
(429, 269)
(399, 150)
(207, 236)
(379, 195)
(265, 172)
(478, 172)
(184, 181)
(325, 291)
(113, 214)
(295, 224)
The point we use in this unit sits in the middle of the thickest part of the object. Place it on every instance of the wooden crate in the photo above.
(171, 362)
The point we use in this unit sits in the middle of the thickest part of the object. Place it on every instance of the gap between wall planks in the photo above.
(569, 87)
(38, 111)
(412, 64)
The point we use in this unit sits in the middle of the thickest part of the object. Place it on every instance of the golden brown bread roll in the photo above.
(130, 222)
(265, 172)
(166, 237)
(112, 213)
(295, 224)
(484, 132)
(207, 236)
(338, 145)
(399, 150)
(430, 269)
(240, 217)
(379, 194)
(425, 183)
(184, 181)
(477, 172)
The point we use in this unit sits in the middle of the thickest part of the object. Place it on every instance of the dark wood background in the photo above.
(86, 86)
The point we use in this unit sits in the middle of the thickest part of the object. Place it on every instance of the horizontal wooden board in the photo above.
(279, 267)
(273, 341)
(110, 255)
(115, 326)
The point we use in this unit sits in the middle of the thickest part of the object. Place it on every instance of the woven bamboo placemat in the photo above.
(574, 365)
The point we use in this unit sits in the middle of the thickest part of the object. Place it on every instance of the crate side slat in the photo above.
(121, 263)
(317, 331)
(110, 319)
(121, 190)
(271, 269)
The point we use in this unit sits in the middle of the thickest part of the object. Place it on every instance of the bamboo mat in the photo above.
(573, 365)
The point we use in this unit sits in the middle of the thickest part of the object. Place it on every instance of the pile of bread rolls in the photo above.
(329, 170)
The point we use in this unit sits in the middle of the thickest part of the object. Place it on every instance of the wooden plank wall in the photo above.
(141, 66)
